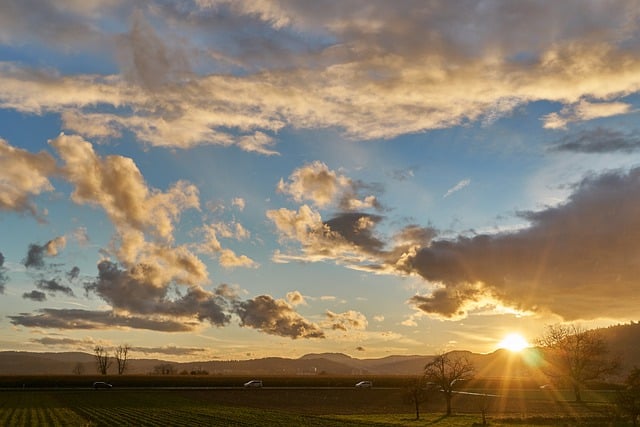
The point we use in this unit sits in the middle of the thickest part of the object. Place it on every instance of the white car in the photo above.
(253, 383)
(364, 384)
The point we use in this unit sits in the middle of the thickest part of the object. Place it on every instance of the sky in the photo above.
(217, 179)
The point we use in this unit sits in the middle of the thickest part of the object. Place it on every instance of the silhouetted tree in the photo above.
(628, 399)
(121, 355)
(103, 361)
(164, 369)
(575, 356)
(445, 370)
(78, 369)
(416, 392)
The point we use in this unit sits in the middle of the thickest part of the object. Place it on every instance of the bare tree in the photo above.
(122, 357)
(574, 356)
(445, 371)
(416, 392)
(628, 399)
(164, 369)
(78, 369)
(103, 361)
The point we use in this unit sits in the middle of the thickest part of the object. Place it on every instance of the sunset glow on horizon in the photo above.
(237, 179)
(514, 342)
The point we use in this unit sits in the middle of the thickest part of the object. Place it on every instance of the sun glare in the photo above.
(514, 342)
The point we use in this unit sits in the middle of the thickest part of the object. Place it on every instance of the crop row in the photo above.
(145, 409)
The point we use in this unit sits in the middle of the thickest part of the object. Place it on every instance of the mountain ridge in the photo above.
(621, 339)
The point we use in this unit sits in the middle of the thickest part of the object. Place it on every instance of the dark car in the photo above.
(101, 384)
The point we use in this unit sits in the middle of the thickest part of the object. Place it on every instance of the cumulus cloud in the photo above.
(136, 291)
(275, 317)
(229, 259)
(239, 203)
(574, 260)
(226, 257)
(349, 239)
(346, 321)
(597, 141)
(36, 253)
(296, 298)
(316, 183)
(22, 176)
(116, 184)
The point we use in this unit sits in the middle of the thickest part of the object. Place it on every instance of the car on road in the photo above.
(101, 384)
(364, 384)
(253, 384)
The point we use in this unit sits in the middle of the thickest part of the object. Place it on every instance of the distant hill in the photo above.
(623, 341)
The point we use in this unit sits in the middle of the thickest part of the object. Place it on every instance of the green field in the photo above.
(134, 405)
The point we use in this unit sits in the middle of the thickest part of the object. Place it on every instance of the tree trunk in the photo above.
(448, 398)
(576, 390)
(417, 410)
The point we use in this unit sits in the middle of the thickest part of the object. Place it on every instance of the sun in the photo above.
(514, 342)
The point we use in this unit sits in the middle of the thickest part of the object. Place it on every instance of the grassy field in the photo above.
(125, 405)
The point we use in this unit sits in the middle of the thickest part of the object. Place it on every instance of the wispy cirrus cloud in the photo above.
(598, 140)
(459, 186)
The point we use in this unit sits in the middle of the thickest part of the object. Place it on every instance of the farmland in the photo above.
(285, 402)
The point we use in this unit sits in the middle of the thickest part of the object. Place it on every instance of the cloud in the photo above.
(73, 273)
(81, 236)
(68, 25)
(226, 257)
(23, 175)
(136, 291)
(149, 60)
(170, 350)
(86, 319)
(314, 182)
(52, 287)
(459, 186)
(349, 239)
(574, 260)
(239, 203)
(275, 317)
(229, 259)
(35, 296)
(584, 110)
(597, 141)
(35, 255)
(296, 298)
(258, 142)
(51, 341)
(346, 321)
(3, 274)
(116, 184)
(273, 65)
